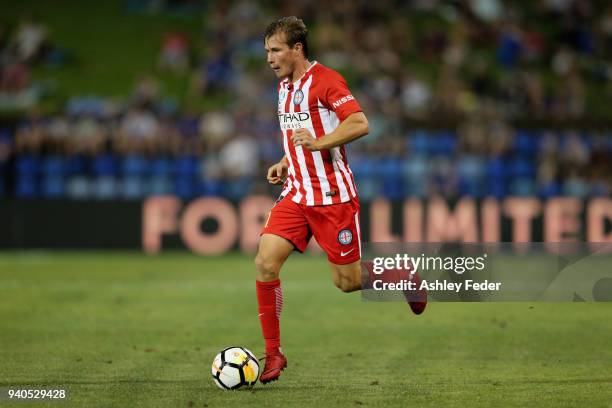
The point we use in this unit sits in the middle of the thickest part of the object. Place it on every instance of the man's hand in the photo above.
(278, 172)
(302, 137)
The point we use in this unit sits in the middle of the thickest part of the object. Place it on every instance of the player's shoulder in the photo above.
(320, 69)
(326, 73)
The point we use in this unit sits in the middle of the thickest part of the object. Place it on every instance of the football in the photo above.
(235, 367)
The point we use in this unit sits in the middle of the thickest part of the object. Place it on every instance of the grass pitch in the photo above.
(124, 329)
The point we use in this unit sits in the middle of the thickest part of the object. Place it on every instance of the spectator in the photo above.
(216, 128)
(238, 158)
(146, 92)
(174, 54)
(30, 39)
(138, 127)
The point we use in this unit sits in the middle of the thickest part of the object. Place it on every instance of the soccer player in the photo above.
(318, 115)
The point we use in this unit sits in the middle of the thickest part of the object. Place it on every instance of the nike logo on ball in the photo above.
(346, 253)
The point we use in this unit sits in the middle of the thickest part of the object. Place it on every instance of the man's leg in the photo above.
(285, 230)
(336, 229)
(272, 253)
(347, 277)
(360, 275)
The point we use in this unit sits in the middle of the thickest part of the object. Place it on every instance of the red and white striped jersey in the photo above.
(319, 102)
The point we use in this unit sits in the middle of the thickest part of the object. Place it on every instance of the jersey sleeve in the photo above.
(338, 97)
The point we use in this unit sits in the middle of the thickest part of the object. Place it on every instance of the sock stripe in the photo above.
(278, 292)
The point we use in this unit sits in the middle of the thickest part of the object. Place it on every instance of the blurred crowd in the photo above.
(426, 59)
(138, 153)
(479, 63)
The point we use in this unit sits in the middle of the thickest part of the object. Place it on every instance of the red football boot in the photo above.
(417, 299)
(275, 363)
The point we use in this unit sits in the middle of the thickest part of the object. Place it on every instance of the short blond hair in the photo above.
(295, 31)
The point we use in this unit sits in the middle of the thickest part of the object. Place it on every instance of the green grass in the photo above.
(123, 329)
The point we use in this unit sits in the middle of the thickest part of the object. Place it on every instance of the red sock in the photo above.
(270, 299)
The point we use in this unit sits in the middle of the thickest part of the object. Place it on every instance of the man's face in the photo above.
(281, 58)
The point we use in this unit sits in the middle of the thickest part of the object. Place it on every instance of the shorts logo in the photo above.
(345, 237)
(298, 97)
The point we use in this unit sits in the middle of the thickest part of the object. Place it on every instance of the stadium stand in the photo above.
(480, 65)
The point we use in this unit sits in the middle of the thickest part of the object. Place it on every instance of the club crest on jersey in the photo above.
(345, 237)
(298, 97)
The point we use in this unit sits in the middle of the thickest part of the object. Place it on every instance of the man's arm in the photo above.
(353, 127)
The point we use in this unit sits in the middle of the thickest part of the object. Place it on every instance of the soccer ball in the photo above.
(234, 367)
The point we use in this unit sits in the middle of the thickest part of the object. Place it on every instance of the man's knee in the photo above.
(267, 267)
